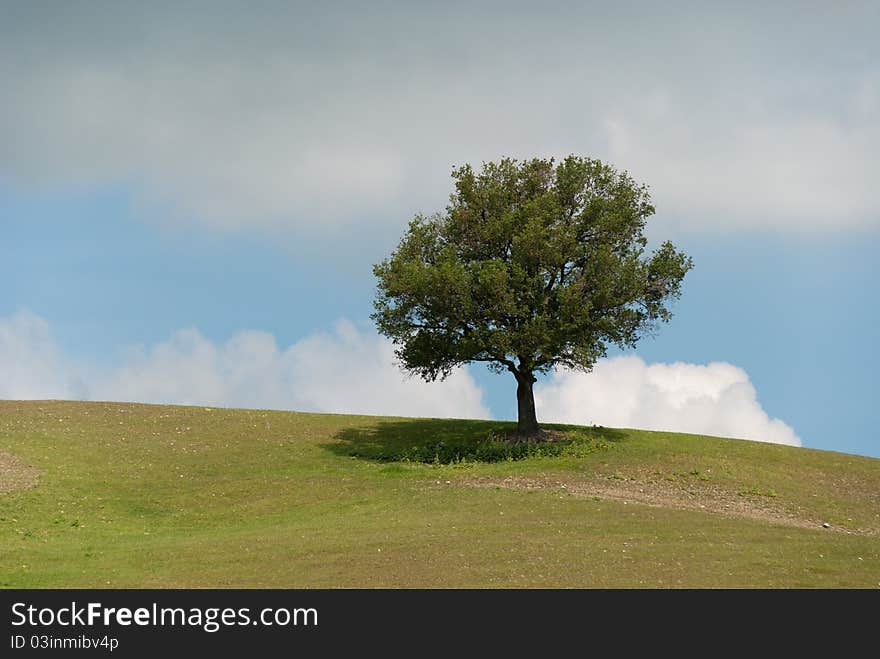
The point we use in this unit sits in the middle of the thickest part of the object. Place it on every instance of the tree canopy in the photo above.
(533, 265)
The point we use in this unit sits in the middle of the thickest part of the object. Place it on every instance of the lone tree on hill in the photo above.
(533, 265)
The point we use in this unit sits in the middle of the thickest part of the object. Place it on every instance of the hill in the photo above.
(125, 495)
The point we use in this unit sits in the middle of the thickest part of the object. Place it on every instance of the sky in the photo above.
(192, 196)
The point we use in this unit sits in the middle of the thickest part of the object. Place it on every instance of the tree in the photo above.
(533, 265)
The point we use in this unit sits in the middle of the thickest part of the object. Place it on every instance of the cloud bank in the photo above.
(625, 392)
(344, 371)
(322, 117)
(31, 365)
(341, 371)
(349, 371)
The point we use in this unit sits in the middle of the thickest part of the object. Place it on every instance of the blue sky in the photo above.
(190, 203)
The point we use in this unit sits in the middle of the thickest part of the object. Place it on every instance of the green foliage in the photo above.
(533, 264)
(466, 448)
(487, 450)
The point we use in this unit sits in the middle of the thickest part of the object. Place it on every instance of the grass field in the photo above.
(124, 495)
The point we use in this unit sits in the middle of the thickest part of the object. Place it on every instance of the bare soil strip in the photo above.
(662, 494)
(15, 474)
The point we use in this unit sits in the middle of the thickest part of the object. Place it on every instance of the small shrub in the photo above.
(490, 448)
(487, 450)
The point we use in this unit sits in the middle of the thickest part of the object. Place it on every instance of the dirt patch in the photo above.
(15, 474)
(663, 494)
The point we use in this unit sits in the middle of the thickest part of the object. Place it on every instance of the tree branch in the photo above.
(501, 360)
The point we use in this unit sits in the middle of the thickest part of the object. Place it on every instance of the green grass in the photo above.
(158, 496)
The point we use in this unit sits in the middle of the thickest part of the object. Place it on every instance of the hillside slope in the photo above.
(124, 495)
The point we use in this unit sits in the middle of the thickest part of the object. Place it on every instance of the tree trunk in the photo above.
(527, 421)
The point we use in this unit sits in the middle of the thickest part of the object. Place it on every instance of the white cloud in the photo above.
(806, 175)
(31, 366)
(345, 371)
(353, 372)
(625, 392)
(323, 117)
